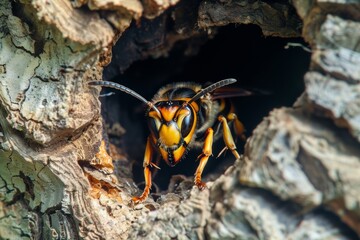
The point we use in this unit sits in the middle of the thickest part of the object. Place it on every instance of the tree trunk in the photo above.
(298, 178)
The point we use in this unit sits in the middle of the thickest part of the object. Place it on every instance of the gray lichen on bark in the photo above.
(47, 119)
(297, 162)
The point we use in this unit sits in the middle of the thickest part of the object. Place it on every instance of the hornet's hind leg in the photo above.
(229, 142)
(239, 128)
(228, 138)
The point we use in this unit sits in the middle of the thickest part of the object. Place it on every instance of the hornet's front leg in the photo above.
(147, 173)
(228, 139)
(204, 156)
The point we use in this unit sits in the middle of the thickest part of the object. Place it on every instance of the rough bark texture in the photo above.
(274, 18)
(298, 179)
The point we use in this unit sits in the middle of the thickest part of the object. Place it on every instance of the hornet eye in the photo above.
(187, 124)
(154, 125)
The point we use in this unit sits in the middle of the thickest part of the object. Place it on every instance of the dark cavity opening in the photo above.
(241, 52)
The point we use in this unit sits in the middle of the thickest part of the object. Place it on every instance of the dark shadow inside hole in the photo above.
(240, 52)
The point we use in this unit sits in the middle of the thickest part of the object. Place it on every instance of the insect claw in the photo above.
(222, 151)
(137, 200)
(155, 166)
(201, 185)
(200, 156)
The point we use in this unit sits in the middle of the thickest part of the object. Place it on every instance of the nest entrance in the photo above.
(241, 52)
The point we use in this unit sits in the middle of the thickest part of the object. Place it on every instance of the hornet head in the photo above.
(172, 129)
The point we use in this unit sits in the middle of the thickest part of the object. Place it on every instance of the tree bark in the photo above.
(299, 176)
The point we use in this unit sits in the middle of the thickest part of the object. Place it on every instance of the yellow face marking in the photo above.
(178, 153)
(153, 114)
(169, 134)
(168, 113)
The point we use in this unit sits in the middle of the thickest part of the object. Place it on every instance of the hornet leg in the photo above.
(238, 126)
(228, 139)
(204, 156)
(147, 173)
